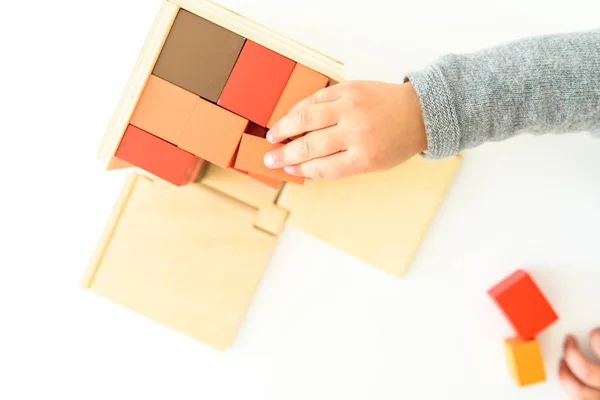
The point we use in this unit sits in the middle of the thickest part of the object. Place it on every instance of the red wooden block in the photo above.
(523, 304)
(158, 156)
(256, 83)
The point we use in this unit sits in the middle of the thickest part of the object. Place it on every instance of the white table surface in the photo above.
(322, 326)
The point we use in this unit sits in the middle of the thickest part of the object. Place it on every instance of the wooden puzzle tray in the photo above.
(199, 216)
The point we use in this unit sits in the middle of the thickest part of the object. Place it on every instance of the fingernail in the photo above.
(290, 170)
(270, 136)
(269, 161)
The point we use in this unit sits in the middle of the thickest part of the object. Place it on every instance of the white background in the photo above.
(322, 326)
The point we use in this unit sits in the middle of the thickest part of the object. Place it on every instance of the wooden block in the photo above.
(198, 55)
(256, 130)
(303, 83)
(164, 109)
(238, 186)
(256, 83)
(250, 158)
(188, 258)
(379, 218)
(158, 157)
(271, 218)
(274, 183)
(525, 361)
(213, 133)
(523, 303)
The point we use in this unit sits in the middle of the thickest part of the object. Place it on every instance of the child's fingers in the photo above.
(584, 369)
(315, 144)
(306, 119)
(335, 166)
(574, 387)
(595, 341)
(325, 95)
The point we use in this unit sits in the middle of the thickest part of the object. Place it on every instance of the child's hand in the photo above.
(351, 128)
(579, 375)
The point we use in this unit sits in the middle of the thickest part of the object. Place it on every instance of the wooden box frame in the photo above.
(272, 208)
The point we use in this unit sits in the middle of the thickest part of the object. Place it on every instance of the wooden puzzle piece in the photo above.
(523, 303)
(379, 218)
(256, 83)
(158, 157)
(250, 158)
(525, 361)
(271, 218)
(213, 133)
(164, 109)
(117, 163)
(238, 186)
(198, 55)
(188, 258)
(303, 83)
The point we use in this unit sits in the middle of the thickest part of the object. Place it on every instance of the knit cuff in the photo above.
(439, 114)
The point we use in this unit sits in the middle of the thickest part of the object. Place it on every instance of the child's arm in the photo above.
(546, 84)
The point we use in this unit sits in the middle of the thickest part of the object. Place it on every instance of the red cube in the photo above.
(523, 304)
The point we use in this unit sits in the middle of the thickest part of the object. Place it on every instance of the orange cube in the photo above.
(164, 109)
(274, 183)
(525, 361)
(158, 156)
(303, 83)
(523, 304)
(251, 155)
(213, 133)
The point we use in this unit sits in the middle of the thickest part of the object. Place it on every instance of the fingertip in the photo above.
(269, 159)
(293, 170)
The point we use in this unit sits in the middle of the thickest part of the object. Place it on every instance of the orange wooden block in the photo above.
(117, 163)
(158, 156)
(164, 109)
(256, 83)
(525, 361)
(303, 83)
(523, 304)
(213, 133)
(251, 155)
(274, 183)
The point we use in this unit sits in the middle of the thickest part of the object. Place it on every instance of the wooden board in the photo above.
(186, 257)
(379, 218)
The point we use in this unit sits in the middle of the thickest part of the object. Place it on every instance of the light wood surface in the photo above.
(379, 218)
(271, 218)
(186, 257)
(265, 36)
(137, 80)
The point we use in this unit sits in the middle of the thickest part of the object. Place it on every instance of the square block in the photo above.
(188, 258)
(523, 304)
(213, 133)
(303, 83)
(163, 109)
(256, 83)
(198, 55)
(525, 361)
(250, 158)
(274, 183)
(158, 157)
(271, 219)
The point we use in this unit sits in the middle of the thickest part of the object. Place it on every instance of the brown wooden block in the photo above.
(198, 55)
(213, 134)
(256, 130)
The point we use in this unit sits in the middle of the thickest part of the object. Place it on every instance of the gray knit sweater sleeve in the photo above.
(539, 85)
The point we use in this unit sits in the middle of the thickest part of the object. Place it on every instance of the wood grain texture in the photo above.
(265, 36)
(188, 258)
(137, 80)
(379, 218)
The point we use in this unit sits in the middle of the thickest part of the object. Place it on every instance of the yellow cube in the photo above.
(525, 361)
